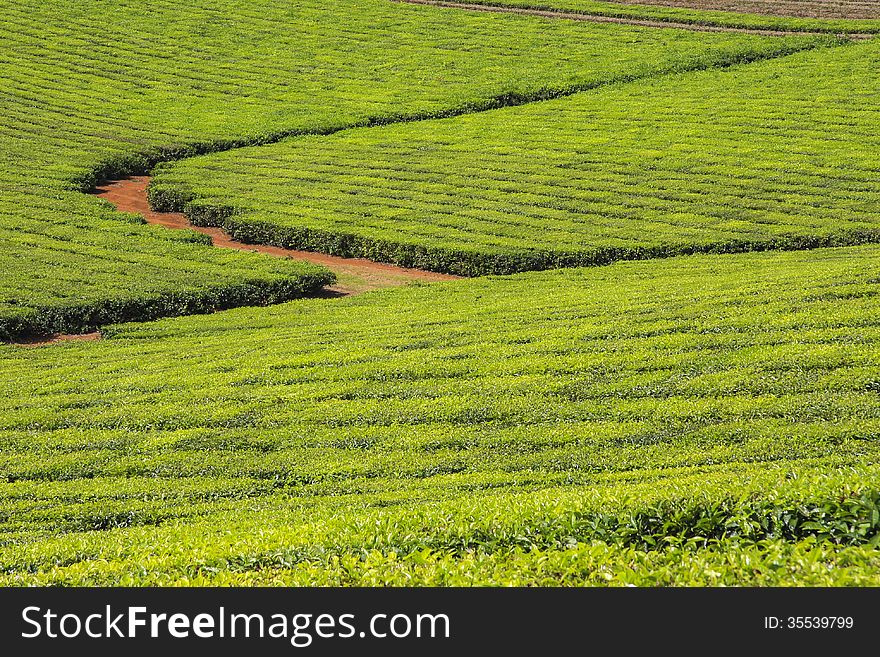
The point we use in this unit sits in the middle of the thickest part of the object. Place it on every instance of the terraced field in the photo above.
(69, 264)
(89, 94)
(697, 419)
(781, 154)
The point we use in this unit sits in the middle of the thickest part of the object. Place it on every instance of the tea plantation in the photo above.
(698, 406)
(840, 16)
(89, 94)
(650, 422)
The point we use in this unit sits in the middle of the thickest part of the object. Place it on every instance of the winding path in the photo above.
(354, 275)
(596, 18)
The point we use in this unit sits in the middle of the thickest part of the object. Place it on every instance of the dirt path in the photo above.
(592, 18)
(44, 341)
(355, 275)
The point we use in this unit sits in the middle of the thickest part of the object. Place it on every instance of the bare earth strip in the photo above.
(44, 341)
(592, 18)
(355, 275)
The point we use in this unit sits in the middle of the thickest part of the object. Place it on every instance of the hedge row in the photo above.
(81, 318)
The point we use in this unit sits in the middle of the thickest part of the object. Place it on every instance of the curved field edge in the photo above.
(701, 17)
(705, 200)
(142, 162)
(458, 261)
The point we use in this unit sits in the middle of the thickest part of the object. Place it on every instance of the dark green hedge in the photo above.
(81, 318)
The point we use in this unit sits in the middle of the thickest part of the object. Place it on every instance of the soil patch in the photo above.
(355, 275)
(44, 341)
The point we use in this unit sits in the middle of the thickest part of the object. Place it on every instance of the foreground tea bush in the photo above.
(543, 538)
(702, 419)
(780, 155)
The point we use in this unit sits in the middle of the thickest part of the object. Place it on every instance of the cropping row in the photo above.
(284, 536)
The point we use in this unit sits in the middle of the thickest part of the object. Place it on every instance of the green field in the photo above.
(635, 11)
(704, 418)
(690, 403)
(89, 93)
(781, 154)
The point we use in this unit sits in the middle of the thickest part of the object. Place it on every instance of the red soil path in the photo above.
(591, 18)
(356, 274)
(61, 337)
